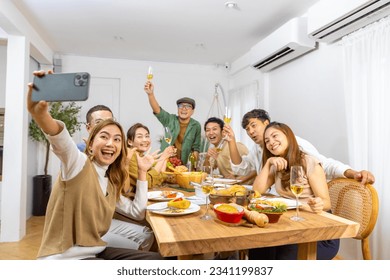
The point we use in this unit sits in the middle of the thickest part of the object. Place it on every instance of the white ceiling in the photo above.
(182, 31)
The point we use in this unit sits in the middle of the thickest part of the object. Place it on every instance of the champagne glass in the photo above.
(227, 118)
(167, 135)
(296, 186)
(220, 145)
(207, 188)
(150, 73)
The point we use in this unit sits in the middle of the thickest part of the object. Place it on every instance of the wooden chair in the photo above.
(354, 201)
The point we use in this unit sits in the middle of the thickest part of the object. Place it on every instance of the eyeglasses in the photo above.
(183, 105)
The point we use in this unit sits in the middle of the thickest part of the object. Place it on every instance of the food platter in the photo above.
(158, 196)
(291, 203)
(162, 208)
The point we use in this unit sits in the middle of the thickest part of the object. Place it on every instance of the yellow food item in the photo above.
(226, 208)
(257, 194)
(179, 203)
(181, 168)
(255, 217)
(235, 190)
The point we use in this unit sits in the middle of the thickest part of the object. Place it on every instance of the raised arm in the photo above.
(149, 89)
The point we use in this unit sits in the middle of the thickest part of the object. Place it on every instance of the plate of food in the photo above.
(291, 203)
(176, 207)
(164, 195)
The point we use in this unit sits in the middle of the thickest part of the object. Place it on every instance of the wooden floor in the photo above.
(27, 248)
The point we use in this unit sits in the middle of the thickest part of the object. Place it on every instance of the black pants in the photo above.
(326, 250)
(111, 253)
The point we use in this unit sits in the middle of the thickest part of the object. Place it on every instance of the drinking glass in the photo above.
(150, 73)
(296, 186)
(227, 118)
(167, 135)
(220, 145)
(207, 187)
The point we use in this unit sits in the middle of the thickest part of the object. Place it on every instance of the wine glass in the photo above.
(150, 73)
(296, 186)
(207, 188)
(227, 118)
(167, 135)
(220, 145)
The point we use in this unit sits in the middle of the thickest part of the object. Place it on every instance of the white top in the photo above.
(252, 161)
(72, 162)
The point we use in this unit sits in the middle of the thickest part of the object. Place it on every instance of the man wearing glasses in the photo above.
(186, 132)
(94, 116)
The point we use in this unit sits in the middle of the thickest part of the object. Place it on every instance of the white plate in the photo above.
(161, 208)
(226, 181)
(157, 196)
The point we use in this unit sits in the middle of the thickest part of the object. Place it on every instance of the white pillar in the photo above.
(13, 205)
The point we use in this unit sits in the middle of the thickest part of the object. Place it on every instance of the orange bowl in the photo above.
(226, 217)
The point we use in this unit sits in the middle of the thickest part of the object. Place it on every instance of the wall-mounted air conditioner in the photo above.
(286, 43)
(329, 20)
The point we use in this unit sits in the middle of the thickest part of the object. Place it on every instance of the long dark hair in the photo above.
(116, 172)
(294, 155)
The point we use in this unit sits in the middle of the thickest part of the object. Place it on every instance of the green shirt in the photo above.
(192, 135)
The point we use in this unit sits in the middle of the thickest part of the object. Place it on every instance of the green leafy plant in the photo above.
(66, 113)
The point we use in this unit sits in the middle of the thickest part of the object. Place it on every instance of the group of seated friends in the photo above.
(98, 203)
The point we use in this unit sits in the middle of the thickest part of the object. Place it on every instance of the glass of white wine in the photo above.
(207, 188)
(296, 186)
(150, 73)
(227, 118)
(167, 135)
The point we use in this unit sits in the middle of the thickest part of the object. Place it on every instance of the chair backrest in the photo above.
(354, 201)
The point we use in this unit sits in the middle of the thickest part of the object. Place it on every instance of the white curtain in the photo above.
(367, 92)
(240, 101)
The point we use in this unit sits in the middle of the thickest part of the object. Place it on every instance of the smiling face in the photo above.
(255, 130)
(276, 141)
(141, 140)
(106, 145)
(185, 111)
(213, 133)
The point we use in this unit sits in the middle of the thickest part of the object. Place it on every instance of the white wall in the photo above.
(307, 94)
(3, 67)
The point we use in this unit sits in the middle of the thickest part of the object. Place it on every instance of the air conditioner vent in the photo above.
(283, 45)
(273, 58)
(329, 21)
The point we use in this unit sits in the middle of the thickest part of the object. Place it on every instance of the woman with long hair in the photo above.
(280, 153)
(84, 196)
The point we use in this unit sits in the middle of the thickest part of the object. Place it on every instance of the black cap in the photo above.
(186, 100)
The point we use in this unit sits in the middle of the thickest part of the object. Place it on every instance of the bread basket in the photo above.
(183, 179)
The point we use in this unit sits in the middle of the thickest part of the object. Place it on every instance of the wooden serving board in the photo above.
(243, 223)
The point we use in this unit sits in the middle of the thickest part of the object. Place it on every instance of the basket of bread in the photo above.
(232, 194)
(180, 175)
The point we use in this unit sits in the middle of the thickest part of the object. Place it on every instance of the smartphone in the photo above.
(61, 87)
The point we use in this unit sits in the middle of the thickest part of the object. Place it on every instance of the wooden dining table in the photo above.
(188, 235)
